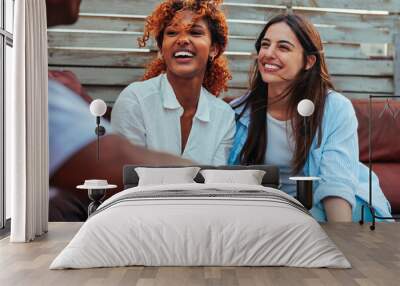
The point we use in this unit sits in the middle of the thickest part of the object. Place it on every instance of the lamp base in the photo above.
(96, 196)
(304, 193)
(304, 190)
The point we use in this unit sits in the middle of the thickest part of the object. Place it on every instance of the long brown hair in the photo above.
(217, 72)
(312, 84)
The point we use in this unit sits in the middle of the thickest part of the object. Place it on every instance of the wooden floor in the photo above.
(374, 255)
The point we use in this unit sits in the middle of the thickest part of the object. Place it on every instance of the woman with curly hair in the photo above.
(290, 67)
(175, 108)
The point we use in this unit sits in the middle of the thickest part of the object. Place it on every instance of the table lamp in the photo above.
(305, 184)
(98, 108)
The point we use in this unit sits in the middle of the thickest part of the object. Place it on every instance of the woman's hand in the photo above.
(337, 209)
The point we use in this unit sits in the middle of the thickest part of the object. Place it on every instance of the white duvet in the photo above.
(182, 231)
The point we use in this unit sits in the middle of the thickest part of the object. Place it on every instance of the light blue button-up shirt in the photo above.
(335, 161)
(148, 114)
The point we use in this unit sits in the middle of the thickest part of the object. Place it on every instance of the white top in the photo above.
(148, 114)
(280, 148)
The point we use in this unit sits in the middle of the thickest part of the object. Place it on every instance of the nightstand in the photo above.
(96, 191)
(304, 190)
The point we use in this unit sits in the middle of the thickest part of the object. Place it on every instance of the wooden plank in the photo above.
(125, 7)
(107, 93)
(242, 45)
(328, 34)
(380, 5)
(100, 58)
(244, 34)
(135, 23)
(235, 44)
(363, 84)
(106, 22)
(360, 67)
(253, 13)
(122, 40)
(346, 20)
(350, 35)
(146, 6)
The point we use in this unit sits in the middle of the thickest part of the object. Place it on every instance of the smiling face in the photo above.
(281, 56)
(186, 46)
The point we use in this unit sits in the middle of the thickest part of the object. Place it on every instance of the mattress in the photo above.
(201, 225)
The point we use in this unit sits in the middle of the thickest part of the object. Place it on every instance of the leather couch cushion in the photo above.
(385, 130)
(388, 174)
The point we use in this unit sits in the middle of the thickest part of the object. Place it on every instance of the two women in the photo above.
(175, 109)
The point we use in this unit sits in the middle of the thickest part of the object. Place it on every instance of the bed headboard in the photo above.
(270, 179)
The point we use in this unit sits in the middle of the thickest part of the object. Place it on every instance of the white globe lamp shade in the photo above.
(305, 107)
(98, 107)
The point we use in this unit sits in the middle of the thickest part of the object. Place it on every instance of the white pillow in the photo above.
(165, 176)
(248, 177)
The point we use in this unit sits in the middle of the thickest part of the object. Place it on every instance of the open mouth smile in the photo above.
(184, 54)
(271, 67)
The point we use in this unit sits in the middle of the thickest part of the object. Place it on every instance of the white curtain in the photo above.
(27, 124)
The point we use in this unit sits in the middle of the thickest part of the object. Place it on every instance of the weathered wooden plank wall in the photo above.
(362, 47)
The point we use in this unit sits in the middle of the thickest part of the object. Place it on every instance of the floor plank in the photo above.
(374, 255)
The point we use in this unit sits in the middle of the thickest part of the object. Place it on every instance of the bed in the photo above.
(201, 224)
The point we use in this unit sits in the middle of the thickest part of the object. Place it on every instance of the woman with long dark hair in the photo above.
(290, 67)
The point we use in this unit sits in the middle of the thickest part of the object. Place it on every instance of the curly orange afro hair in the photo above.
(217, 72)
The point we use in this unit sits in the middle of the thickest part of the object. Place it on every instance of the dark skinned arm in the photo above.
(115, 152)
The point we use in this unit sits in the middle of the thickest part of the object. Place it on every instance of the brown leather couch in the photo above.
(385, 156)
(385, 144)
